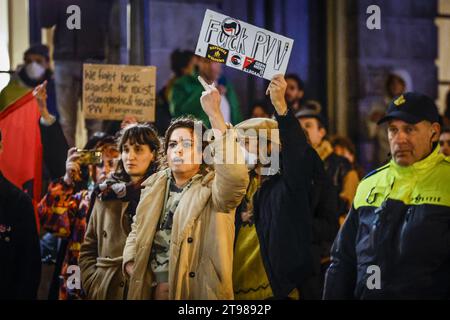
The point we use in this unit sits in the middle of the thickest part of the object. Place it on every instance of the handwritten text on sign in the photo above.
(111, 92)
(243, 46)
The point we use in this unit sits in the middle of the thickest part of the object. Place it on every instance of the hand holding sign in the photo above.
(277, 90)
(73, 169)
(210, 101)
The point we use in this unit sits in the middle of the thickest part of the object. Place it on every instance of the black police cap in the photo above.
(412, 108)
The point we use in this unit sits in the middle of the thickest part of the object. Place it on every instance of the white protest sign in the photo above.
(243, 46)
(111, 92)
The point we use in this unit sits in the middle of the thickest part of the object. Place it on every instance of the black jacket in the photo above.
(282, 212)
(337, 168)
(324, 207)
(55, 149)
(20, 258)
(89, 42)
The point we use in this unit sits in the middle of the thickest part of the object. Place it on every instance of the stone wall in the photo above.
(407, 40)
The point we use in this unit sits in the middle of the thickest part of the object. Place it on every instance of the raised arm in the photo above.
(231, 175)
(296, 153)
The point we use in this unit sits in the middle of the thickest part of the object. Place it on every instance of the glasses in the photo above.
(442, 142)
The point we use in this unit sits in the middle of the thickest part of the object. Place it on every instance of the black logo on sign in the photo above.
(217, 54)
(231, 27)
(236, 60)
(254, 67)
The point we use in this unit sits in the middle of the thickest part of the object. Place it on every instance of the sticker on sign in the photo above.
(243, 46)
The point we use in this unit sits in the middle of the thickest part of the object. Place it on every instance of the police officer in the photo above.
(395, 242)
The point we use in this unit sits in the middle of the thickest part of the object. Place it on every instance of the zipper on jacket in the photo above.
(404, 226)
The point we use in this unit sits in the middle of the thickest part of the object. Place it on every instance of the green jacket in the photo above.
(399, 223)
(185, 100)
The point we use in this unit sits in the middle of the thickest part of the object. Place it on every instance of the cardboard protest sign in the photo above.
(243, 46)
(110, 92)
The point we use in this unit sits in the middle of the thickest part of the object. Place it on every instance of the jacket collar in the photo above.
(421, 167)
(324, 149)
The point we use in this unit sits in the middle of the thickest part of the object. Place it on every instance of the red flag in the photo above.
(21, 160)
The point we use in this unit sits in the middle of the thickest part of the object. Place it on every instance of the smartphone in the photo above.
(89, 157)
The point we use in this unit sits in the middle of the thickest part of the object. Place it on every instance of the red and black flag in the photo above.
(21, 160)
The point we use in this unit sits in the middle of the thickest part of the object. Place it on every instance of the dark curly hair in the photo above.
(188, 122)
(142, 134)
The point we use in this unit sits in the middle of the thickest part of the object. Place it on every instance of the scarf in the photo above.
(247, 208)
(324, 149)
(113, 189)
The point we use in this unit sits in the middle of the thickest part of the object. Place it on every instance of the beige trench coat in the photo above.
(201, 248)
(101, 251)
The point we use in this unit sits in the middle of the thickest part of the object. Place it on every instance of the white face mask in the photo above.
(34, 71)
(251, 159)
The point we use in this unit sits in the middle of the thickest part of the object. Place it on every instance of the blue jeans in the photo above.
(49, 248)
(68, 84)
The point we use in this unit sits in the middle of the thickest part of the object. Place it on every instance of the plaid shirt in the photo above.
(64, 213)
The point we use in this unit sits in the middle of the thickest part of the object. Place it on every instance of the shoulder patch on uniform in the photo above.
(375, 171)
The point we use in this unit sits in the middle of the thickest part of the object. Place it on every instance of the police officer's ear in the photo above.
(435, 131)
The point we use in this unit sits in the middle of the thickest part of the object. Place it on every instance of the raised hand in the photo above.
(277, 89)
(40, 92)
(210, 99)
(210, 102)
(73, 170)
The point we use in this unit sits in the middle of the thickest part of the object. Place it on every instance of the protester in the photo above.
(181, 243)
(187, 90)
(72, 48)
(392, 244)
(324, 204)
(54, 151)
(278, 244)
(53, 141)
(444, 141)
(398, 81)
(35, 71)
(344, 147)
(343, 176)
(182, 63)
(20, 262)
(261, 109)
(446, 117)
(295, 92)
(112, 214)
(65, 210)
